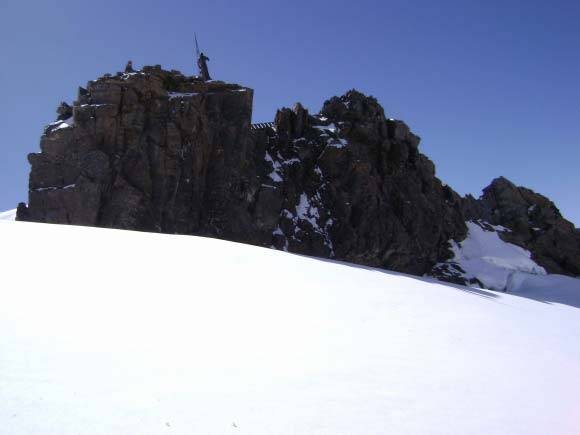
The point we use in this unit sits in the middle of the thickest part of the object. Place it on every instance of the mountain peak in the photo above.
(353, 105)
(156, 150)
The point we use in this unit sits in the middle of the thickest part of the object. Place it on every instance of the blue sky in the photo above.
(493, 88)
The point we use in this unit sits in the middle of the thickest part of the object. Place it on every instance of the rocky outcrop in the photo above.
(154, 150)
(150, 150)
(352, 185)
(534, 223)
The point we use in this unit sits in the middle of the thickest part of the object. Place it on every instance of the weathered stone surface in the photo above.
(153, 151)
(354, 187)
(535, 223)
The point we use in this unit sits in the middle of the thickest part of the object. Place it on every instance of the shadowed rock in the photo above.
(155, 150)
(535, 223)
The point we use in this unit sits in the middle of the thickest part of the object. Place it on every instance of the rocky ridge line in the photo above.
(154, 150)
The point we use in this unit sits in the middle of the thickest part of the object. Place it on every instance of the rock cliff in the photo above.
(154, 150)
(150, 150)
(350, 184)
(535, 224)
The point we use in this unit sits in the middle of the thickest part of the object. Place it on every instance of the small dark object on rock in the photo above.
(64, 111)
(83, 97)
(22, 211)
(129, 67)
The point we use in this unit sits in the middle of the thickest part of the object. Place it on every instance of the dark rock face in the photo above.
(151, 151)
(154, 150)
(535, 223)
(352, 185)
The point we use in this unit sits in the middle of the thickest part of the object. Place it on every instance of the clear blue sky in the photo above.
(492, 87)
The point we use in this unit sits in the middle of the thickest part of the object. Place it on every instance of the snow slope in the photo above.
(8, 215)
(484, 255)
(502, 266)
(112, 332)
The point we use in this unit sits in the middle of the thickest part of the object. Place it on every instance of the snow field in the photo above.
(106, 331)
(491, 260)
(8, 215)
(506, 267)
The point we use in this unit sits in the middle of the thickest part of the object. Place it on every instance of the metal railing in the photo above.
(262, 125)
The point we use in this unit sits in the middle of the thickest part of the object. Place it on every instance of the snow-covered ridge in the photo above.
(256, 341)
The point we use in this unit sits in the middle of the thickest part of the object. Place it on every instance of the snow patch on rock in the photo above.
(173, 95)
(62, 124)
(331, 132)
(67, 187)
(485, 257)
(307, 212)
(276, 174)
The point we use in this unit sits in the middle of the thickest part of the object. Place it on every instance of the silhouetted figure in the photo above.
(129, 67)
(202, 65)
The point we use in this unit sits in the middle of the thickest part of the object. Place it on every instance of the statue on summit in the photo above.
(201, 62)
(202, 65)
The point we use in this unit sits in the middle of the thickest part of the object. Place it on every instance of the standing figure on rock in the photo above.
(202, 65)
